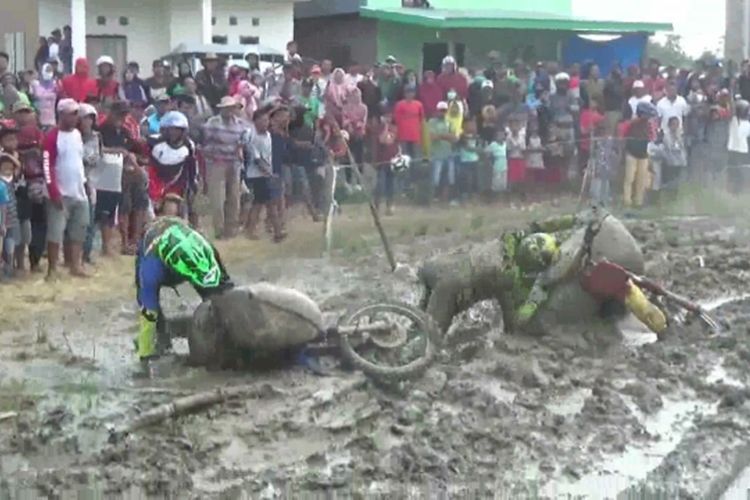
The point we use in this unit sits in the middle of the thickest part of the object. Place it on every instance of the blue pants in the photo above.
(151, 274)
(384, 186)
(438, 166)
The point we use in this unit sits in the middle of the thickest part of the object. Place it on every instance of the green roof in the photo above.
(506, 19)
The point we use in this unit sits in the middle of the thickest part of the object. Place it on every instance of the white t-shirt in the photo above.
(256, 147)
(69, 165)
(634, 101)
(739, 133)
(668, 109)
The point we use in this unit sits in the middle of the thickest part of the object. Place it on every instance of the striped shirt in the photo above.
(221, 140)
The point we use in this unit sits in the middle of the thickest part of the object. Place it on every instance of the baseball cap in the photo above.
(638, 84)
(21, 106)
(442, 105)
(67, 106)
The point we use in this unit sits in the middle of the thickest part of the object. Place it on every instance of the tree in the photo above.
(669, 53)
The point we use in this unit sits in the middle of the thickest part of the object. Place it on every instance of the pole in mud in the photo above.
(383, 237)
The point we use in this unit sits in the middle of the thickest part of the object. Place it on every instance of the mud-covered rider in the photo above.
(521, 279)
(170, 253)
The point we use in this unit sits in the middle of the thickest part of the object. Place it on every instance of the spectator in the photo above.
(135, 68)
(9, 227)
(203, 108)
(355, 123)
(468, 154)
(389, 83)
(739, 134)
(66, 49)
(743, 83)
(178, 84)
(371, 95)
(132, 88)
(107, 87)
(152, 124)
(55, 64)
(257, 148)
(92, 154)
(54, 44)
(159, 82)
(387, 149)
(430, 94)
(68, 209)
(119, 146)
(593, 86)
(320, 82)
(637, 137)
(79, 85)
(409, 116)
(4, 64)
(498, 154)
(455, 115)
(674, 155)
(450, 79)
(248, 97)
(336, 95)
(605, 160)
(613, 97)
(515, 108)
(672, 105)
(44, 93)
(590, 118)
(221, 139)
(516, 152)
(305, 156)
(640, 95)
(31, 191)
(310, 104)
(291, 51)
(653, 81)
(279, 125)
(442, 138)
(42, 54)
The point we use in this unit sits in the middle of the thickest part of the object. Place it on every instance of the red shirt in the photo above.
(589, 119)
(108, 89)
(455, 81)
(408, 117)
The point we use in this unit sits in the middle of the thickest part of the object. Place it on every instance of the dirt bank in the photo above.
(545, 417)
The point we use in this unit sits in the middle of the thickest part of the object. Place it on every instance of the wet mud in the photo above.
(577, 414)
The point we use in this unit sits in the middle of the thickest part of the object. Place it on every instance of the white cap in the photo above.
(449, 60)
(67, 106)
(488, 84)
(242, 64)
(638, 84)
(105, 60)
(442, 105)
(87, 110)
(562, 76)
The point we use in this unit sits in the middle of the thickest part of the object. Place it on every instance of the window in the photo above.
(256, 21)
(124, 21)
(101, 20)
(232, 20)
(424, 4)
(249, 40)
(219, 39)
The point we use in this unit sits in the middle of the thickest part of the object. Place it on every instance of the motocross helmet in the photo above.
(173, 119)
(537, 252)
(190, 255)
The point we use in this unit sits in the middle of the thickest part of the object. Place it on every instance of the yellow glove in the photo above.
(650, 315)
(147, 336)
(526, 312)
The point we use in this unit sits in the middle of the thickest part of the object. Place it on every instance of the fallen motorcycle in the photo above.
(385, 340)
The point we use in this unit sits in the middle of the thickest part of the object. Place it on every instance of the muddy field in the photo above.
(566, 416)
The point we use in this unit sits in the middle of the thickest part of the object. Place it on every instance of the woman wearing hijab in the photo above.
(79, 85)
(178, 86)
(44, 93)
(132, 89)
(335, 96)
(430, 94)
(354, 117)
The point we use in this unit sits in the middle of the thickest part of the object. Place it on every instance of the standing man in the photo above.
(68, 206)
(211, 81)
(221, 150)
(159, 82)
(672, 106)
(66, 50)
(451, 79)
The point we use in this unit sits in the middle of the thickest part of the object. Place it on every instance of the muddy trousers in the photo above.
(636, 181)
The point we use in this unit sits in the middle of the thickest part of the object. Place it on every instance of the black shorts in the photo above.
(105, 210)
(260, 188)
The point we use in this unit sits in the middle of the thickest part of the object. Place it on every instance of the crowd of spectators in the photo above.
(87, 153)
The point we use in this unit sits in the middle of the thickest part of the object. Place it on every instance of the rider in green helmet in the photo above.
(170, 253)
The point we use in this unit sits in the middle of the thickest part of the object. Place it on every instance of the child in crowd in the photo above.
(9, 228)
(534, 156)
(672, 154)
(468, 151)
(9, 144)
(498, 152)
(605, 158)
(279, 126)
(516, 146)
(442, 138)
(387, 149)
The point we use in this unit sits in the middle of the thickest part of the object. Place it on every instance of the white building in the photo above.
(144, 30)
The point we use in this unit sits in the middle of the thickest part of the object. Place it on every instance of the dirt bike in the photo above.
(389, 341)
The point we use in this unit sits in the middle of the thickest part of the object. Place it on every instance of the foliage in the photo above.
(669, 53)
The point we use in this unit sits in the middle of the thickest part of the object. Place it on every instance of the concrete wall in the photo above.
(19, 16)
(737, 23)
(320, 37)
(157, 26)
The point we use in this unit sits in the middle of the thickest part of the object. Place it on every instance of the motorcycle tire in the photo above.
(413, 369)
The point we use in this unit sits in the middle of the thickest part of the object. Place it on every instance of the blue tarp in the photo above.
(626, 50)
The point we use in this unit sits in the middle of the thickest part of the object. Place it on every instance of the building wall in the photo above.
(561, 7)
(737, 23)
(358, 34)
(156, 27)
(19, 17)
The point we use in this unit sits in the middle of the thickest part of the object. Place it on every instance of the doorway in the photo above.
(113, 46)
(432, 56)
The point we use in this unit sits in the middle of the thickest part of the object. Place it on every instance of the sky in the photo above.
(699, 22)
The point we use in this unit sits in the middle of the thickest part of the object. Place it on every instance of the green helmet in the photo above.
(537, 252)
(190, 255)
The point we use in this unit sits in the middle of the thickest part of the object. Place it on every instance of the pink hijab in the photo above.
(336, 94)
(355, 111)
(247, 95)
